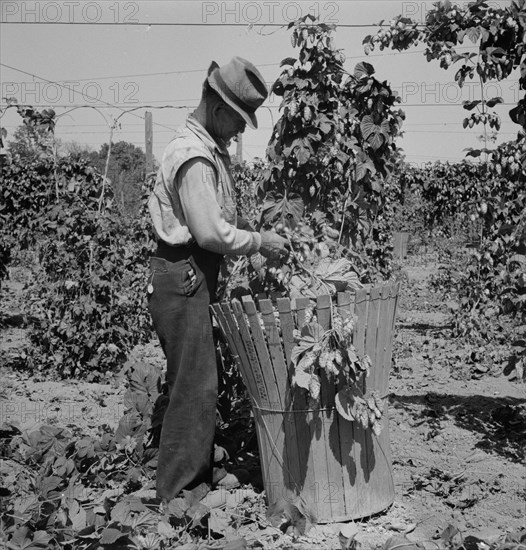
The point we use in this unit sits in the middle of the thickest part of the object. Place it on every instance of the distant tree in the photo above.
(75, 149)
(127, 171)
(30, 142)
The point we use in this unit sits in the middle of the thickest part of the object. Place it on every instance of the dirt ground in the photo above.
(458, 430)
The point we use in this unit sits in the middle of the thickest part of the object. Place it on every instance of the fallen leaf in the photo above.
(219, 521)
(449, 533)
(165, 530)
(236, 544)
(397, 525)
(215, 499)
(400, 542)
(347, 533)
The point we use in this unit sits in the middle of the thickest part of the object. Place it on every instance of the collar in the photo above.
(200, 131)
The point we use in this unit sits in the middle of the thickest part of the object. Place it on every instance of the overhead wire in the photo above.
(124, 111)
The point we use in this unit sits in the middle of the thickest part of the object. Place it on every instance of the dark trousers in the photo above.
(181, 318)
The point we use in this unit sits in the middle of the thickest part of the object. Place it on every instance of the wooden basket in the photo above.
(313, 457)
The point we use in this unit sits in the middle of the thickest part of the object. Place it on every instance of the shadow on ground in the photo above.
(501, 421)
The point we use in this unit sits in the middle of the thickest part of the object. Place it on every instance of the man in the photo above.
(193, 212)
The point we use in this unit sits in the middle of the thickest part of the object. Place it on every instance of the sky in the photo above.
(96, 61)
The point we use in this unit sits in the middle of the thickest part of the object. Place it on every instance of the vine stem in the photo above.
(484, 111)
(106, 167)
(347, 194)
(343, 218)
(237, 267)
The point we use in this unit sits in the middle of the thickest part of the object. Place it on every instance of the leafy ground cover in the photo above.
(457, 427)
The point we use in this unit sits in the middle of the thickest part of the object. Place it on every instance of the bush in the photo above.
(89, 289)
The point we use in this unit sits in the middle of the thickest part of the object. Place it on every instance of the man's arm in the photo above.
(196, 182)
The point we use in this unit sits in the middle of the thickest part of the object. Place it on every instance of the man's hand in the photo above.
(273, 246)
(243, 224)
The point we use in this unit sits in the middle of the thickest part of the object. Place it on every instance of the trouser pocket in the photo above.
(182, 277)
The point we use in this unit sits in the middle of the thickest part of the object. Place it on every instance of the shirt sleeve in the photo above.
(196, 182)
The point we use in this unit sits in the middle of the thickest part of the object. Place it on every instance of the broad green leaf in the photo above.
(363, 166)
(494, 101)
(145, 378)
(346, 401)
(470, 105)
(474, 33)
(314, 331)
(287, 61)
(302, 152)
(165, 530)
(282, 209)
(472, 152)
(111, 535)
(78, 518)
(363, 70)
(131, 424)
(373, 133)
(339, 271)
(49, 484)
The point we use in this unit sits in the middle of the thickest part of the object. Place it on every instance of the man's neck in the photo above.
(200, 114)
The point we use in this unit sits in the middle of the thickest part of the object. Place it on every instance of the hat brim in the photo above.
(250, 119)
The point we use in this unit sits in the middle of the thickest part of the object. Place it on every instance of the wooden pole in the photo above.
(239, 149)
(148, 138)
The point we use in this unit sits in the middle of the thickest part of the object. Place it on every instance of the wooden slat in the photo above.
(330, 427)
(370, 349)
(377, 378)
(269, 470)
(287, 327)
(349, 462)
(255, 367)
(300, 304)
(248, 375)
(262, 351)
(277, 356)
(274, 421)
(383, 440)
(395, 291)
(343, 301)
(295, 425)
(275, 348)
(311, 462)
(323, 310)
(232, 343)
(361, 303)
(381, 479)
(371, 336)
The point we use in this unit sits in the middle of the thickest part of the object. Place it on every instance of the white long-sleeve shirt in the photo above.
(193, 198)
